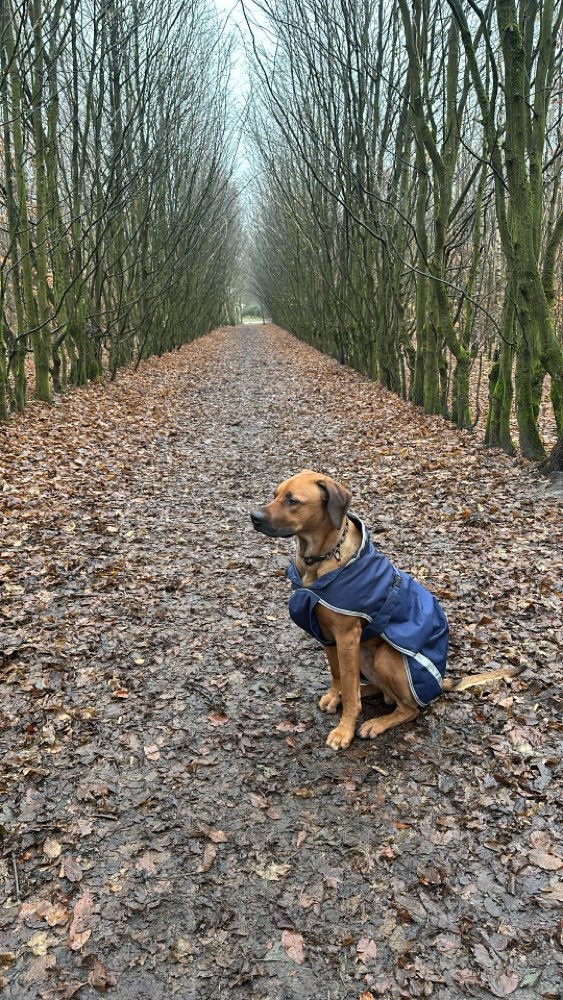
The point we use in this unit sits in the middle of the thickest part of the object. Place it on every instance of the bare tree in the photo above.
(410, 160)
(119, 150)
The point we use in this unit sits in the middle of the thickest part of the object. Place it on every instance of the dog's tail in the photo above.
(474, 679)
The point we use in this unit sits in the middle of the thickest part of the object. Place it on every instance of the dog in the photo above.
(377, 623)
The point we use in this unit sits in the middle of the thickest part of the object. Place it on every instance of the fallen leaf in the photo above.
(33, 912)
(183, 949)
(216, 719)
(505, 984)
(333, 878)
(275, 952)
(101, 978)
(40, 943)
(218, 836)
(293, 945)
(57, 914)
(546, 861)
(259, 801)
(306, 900)
(146, 864)
(367, 950)
(273, 872)
(39, 967)
(71, 870)
(208, 860)
(51, 848)
(67, 990)
(81, 927)
(555, 891)
(291, 727)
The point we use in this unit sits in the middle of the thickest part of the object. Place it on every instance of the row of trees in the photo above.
(410, 211)
(119, 217)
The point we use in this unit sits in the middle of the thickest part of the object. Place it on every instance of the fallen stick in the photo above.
(16, 879)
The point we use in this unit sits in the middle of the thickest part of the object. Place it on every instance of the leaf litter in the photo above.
(173, 824)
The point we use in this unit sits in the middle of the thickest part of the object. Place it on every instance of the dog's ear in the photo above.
(337, 499)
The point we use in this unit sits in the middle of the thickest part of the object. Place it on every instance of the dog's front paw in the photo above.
(330, 701)
(341, 737)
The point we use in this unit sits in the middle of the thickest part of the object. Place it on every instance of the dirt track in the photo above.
(175, 822)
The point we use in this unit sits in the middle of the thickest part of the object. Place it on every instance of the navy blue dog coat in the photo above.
(394, 606)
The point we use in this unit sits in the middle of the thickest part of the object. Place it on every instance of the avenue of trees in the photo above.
(407, 212)
(410, 210)
(119, 218)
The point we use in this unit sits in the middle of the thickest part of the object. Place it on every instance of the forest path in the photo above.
(175, 823)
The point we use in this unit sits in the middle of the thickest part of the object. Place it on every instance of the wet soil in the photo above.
(174, 825)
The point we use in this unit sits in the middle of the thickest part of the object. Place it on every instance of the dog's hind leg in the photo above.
(368, 675)
(367, 690)
(374, 727)
(390, 674)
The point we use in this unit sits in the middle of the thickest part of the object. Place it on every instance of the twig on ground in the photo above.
(16, 878)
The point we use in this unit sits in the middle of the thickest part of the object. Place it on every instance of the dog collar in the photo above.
(335, 552)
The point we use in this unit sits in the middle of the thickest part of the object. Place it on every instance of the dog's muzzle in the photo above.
(262, 523)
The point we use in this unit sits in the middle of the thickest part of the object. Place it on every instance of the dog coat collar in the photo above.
(311, 560)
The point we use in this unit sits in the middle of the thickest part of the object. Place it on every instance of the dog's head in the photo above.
(301, 505)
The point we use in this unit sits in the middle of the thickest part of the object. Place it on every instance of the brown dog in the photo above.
(386, 627)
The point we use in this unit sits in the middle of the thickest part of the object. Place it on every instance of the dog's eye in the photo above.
(291, 501)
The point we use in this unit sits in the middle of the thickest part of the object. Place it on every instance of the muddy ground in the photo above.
(173, 824)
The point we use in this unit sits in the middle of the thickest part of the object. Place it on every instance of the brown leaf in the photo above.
(546, 861)
(272, 872)
(333, 877)
(101, 978)
(293, 944)
(33, 913)
(505, 984)
(367, 950)
(65, 991)
(541, 838)
(51, 848)
(208, 860)
(218, 836)
(38, 968)
(146, 864)
(258, 801)
(81, 926)
(291, 727)
(39, 943)
(183, 949)
(71, 870)
(57, 914)
(304, 793)
(217, 719)
(306, 900)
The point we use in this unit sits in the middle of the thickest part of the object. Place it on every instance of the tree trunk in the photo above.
(555, 461)
(526, 406)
